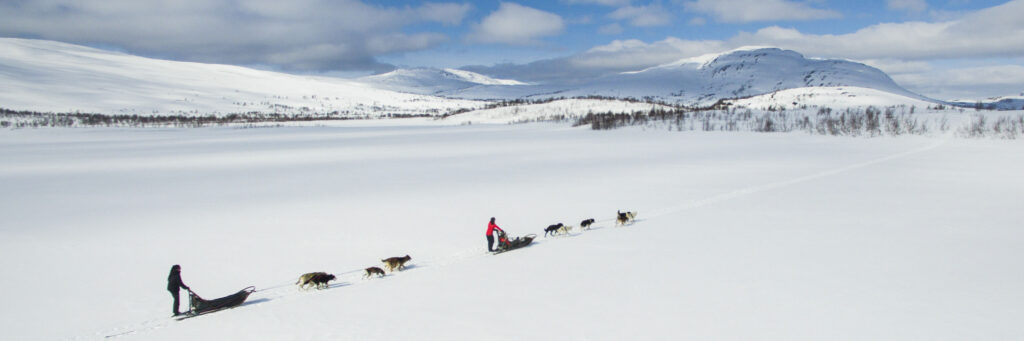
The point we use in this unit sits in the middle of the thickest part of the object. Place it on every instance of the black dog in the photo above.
(585, 225)
(373, 270)
(320, 280)
(553, 229)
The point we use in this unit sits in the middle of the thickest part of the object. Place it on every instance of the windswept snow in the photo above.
(739, 236)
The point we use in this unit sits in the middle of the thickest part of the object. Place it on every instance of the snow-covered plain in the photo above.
(740, 236)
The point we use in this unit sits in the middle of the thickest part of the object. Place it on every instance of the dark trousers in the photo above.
(176, 301)
(490, 243)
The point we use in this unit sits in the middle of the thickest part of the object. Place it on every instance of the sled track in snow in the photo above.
(785, 183)
(354, 277)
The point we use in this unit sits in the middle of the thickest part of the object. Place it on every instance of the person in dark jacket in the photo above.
(174, 283)
(490, 234)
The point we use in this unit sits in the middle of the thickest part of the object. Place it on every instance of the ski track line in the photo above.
(279, 291)
(780, 184)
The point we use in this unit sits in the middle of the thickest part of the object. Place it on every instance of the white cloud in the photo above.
(758, 10)
(400, 42)
(996, 31)
(517, 25)
(623, 55)
(907, 5)
(643, 16)
(446, 13)
(698, 21)
(969, 83)
(898, 67)
(612, 28)
(294, 35)
(905, 50)
(601, 2)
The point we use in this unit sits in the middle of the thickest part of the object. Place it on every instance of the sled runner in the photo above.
(199, 306)
(505, 244)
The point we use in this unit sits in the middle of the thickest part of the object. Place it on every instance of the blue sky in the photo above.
(945, 49)
(589, 24)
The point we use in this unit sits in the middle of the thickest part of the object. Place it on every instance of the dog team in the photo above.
(621, 219)
(320, 280)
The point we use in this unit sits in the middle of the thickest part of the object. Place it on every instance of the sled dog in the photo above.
(585, 225)
(553, 229)
(396, 262)
(624, 217)
(322, 281)
(373, 270)
(315, 279)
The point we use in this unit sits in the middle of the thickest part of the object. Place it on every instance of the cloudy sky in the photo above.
(945, 49)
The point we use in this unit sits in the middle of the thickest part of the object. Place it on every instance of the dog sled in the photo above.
(199, 306)
(505, 244)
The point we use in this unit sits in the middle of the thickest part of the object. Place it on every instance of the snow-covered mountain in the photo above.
(703, 80)
(41, 75)
(429, 81)
(994, 103)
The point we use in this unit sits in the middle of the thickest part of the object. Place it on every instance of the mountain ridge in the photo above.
(49, 76)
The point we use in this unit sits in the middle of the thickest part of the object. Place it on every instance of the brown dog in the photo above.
(396, 262)
(373, 270)
(623, 218)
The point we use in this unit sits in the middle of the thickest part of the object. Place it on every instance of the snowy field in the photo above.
(740, 236)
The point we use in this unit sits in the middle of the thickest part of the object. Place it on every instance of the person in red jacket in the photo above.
(490, 234)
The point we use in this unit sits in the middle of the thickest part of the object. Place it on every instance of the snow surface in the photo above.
(481, 79)
(829, 97)
(739, 236)
(567, 109)
(699, 61)
(429, 81)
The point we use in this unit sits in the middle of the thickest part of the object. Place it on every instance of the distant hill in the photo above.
(697, 81)
(48, 76)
